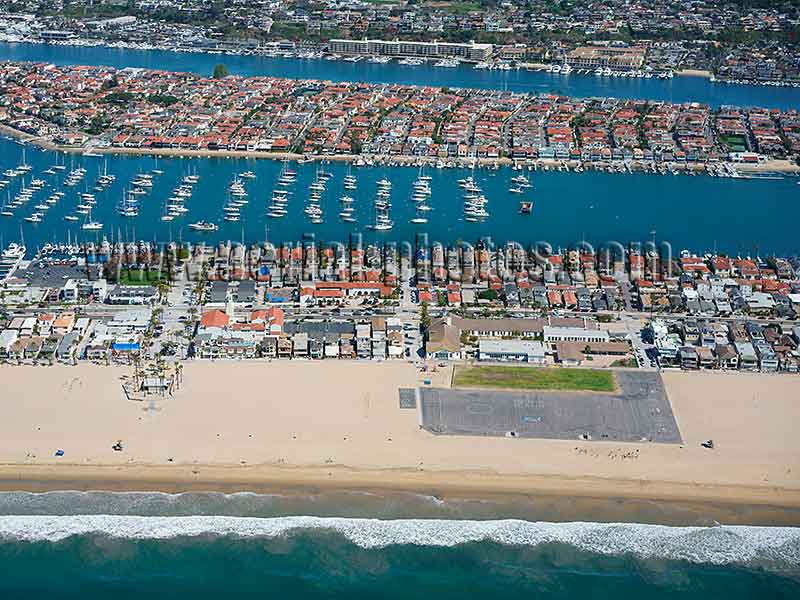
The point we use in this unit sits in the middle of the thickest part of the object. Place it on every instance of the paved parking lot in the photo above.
(45, 275)
(639, 412)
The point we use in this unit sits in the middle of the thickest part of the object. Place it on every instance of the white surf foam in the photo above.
(716, 545)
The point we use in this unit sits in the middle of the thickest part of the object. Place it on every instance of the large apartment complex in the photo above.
(590, 57)
(467, 51)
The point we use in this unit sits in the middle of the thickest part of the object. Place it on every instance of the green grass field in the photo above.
(141, 277)
(535, 378)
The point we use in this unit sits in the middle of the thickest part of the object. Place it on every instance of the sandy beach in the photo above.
(252, 426)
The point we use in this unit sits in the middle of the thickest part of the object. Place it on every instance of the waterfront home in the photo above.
(727, 357)
(226, 344)
(65, 352)
(284, 347)
(126, 348)
(363, 339)
(748, 359)
(34, 348)
(49, 346)
(300, 345)
(271, 114)
(98, 348)
(268, 346)
(767, 358)
(64, 323)
(16, 352)
(706, 358)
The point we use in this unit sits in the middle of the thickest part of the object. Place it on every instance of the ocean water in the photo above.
(100, 544)
(678, 89)
(701, 213)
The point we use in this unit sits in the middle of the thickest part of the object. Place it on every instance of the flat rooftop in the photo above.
(639, 412)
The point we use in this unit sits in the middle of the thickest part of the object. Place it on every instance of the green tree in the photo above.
(424, 317)
(221, 71)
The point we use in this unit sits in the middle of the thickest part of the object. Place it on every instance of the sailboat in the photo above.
(90, 225)
(421, 176)
(127, 207)
(24, 167)
(5, 212)
(286, 177)
(155, 170)
(382, 204)
(350, 182)
(419, 219)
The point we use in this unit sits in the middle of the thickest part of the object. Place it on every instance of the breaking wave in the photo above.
(719, 545)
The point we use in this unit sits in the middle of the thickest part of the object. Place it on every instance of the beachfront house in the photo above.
(284, 347)
(126, 348)
(99, 348)
(727, 357)
(226, 344)
(268, 346)
(65, 352)
(748, 360)
(300, 345)
(364, 340)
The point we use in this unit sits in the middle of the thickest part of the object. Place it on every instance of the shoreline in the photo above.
(231, 478)
(775, 166)
(669, 503)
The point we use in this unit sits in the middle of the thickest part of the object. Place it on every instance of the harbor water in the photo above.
(702, 213)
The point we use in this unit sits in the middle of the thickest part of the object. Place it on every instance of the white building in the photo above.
(574, 334)
(468, 51)
(512, 350)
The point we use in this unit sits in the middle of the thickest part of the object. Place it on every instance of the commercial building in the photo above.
(54, 35)
(512, 350)
(592, 57)
(466, 51)
(574, 334)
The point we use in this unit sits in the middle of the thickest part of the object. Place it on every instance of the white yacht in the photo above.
(203, 226)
